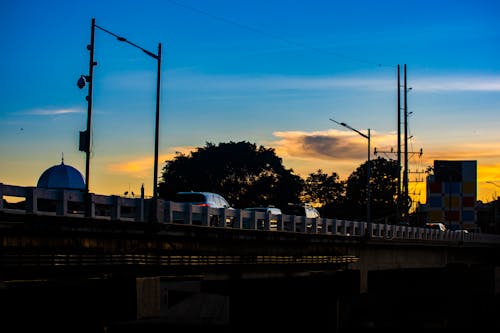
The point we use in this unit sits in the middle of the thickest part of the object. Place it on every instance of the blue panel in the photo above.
(453, 188)
(469, 171)
(468, 215)
(436, 201)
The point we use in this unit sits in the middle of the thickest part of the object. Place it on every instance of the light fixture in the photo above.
(81, 82)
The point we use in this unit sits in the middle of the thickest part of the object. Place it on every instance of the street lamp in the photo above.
(85, 139)
(368, 167)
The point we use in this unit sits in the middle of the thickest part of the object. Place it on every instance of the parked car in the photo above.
(273, 222)
(303, 209)
(206, 199)
(270, 210)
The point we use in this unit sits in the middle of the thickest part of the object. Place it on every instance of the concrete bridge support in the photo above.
(452, 297)
(148, 297)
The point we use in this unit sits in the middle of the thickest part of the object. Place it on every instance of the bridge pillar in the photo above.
(31, 200)
(62, 203)
(116, 211)
(497, 280)
(363, 280)
(148, 297)
(190, 302)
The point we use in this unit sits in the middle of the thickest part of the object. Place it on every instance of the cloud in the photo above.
(331, 144)
(188, 80)
(53, 112)
(457, 83)
(341, 151)
(137, 167)
(485, 152)
(282, 83)
(143, 166)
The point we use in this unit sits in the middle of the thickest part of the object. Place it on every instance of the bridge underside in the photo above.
(51, 246)
(120, 267)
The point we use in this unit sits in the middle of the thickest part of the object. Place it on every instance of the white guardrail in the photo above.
(41, 201)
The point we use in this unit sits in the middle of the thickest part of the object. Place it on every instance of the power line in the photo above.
(274, 36)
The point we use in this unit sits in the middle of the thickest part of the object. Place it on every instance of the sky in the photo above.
(271, 73)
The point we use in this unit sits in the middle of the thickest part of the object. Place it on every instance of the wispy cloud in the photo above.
(188, 80)
(301, 83)
(142, 166)
(457, 83)
(328, 83)
(52, 112)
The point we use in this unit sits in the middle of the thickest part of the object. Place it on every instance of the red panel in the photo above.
(451, 215)
(435, 187)
(468, 201)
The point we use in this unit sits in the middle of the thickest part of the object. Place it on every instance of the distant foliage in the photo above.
(383, 191)
(321, 189)
(246, 175)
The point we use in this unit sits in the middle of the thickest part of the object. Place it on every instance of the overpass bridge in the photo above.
(50, 228)
(61, 234)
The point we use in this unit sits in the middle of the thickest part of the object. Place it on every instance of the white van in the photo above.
(302, 210)
(206, 199)
(435, 225)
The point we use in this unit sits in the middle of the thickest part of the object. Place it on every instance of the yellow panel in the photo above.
(469, 187)
(455, 201)
(435, 216)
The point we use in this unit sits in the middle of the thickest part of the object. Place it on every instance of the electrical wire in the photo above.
(274, 36)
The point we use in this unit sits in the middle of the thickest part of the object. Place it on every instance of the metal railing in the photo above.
(40, 201)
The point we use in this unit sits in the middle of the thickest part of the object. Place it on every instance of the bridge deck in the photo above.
(51, 231)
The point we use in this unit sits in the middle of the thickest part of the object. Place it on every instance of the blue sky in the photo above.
(268, 72)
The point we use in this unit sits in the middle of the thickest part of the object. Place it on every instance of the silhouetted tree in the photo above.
(246, 175)
(383, 191)
(324, 192)
(321, 189)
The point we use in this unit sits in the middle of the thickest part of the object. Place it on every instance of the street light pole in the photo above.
(405, 172)
(368, 171)
(90, 47)
(85, 136)
(157, 130)
(89, 79)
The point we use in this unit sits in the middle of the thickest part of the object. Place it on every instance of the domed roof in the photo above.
(61, 176)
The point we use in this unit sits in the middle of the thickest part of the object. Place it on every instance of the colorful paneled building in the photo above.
(451, 194)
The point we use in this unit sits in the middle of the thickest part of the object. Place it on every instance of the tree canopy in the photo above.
(321, 189)
(383, 190)
(246, 175)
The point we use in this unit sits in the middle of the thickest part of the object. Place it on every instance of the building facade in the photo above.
(452, 194)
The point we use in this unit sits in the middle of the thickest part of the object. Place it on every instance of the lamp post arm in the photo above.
(352, 129)
(355, 130)
(368, 171)
(123, 39)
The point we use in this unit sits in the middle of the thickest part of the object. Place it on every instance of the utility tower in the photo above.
(403, 200)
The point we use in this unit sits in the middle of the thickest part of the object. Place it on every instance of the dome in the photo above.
(61, 176)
